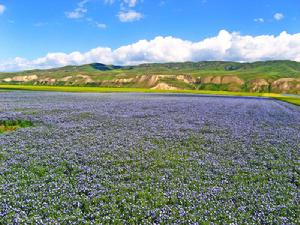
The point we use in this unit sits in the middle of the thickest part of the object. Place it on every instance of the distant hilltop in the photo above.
(264, 76)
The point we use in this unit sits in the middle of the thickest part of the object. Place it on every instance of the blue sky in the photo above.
(33, 28)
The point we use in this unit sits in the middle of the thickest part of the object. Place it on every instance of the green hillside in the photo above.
(266, 76)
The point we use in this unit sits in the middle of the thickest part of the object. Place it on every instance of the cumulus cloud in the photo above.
(278, 16)
(2, 9)
(129, 16)
(225, 46)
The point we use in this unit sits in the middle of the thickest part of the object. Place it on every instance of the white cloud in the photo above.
(79, 12)
(259, 20)
(40, 24)
(97, 24)
(82, 3)
(225, 46)
(2, 9)
(162, 3)
(76, 14)
(109, 1)
(131, 3)
(101, 25)
(127, 12)
(278, 16)
(129, 16)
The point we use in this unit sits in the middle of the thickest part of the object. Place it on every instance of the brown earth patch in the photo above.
(259, 85)
(164, 86)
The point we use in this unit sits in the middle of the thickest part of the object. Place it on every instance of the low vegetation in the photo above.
(294, 100)
(12, 125)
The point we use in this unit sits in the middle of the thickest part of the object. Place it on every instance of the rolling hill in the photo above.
(264, 76)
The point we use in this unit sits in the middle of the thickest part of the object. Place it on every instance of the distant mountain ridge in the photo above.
(264, 76)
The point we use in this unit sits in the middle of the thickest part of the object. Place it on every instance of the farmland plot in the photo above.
(148, 159)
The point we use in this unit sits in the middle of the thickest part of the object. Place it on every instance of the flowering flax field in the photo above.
(148, 159)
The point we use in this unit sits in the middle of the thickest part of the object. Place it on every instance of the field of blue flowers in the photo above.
(149, 159)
